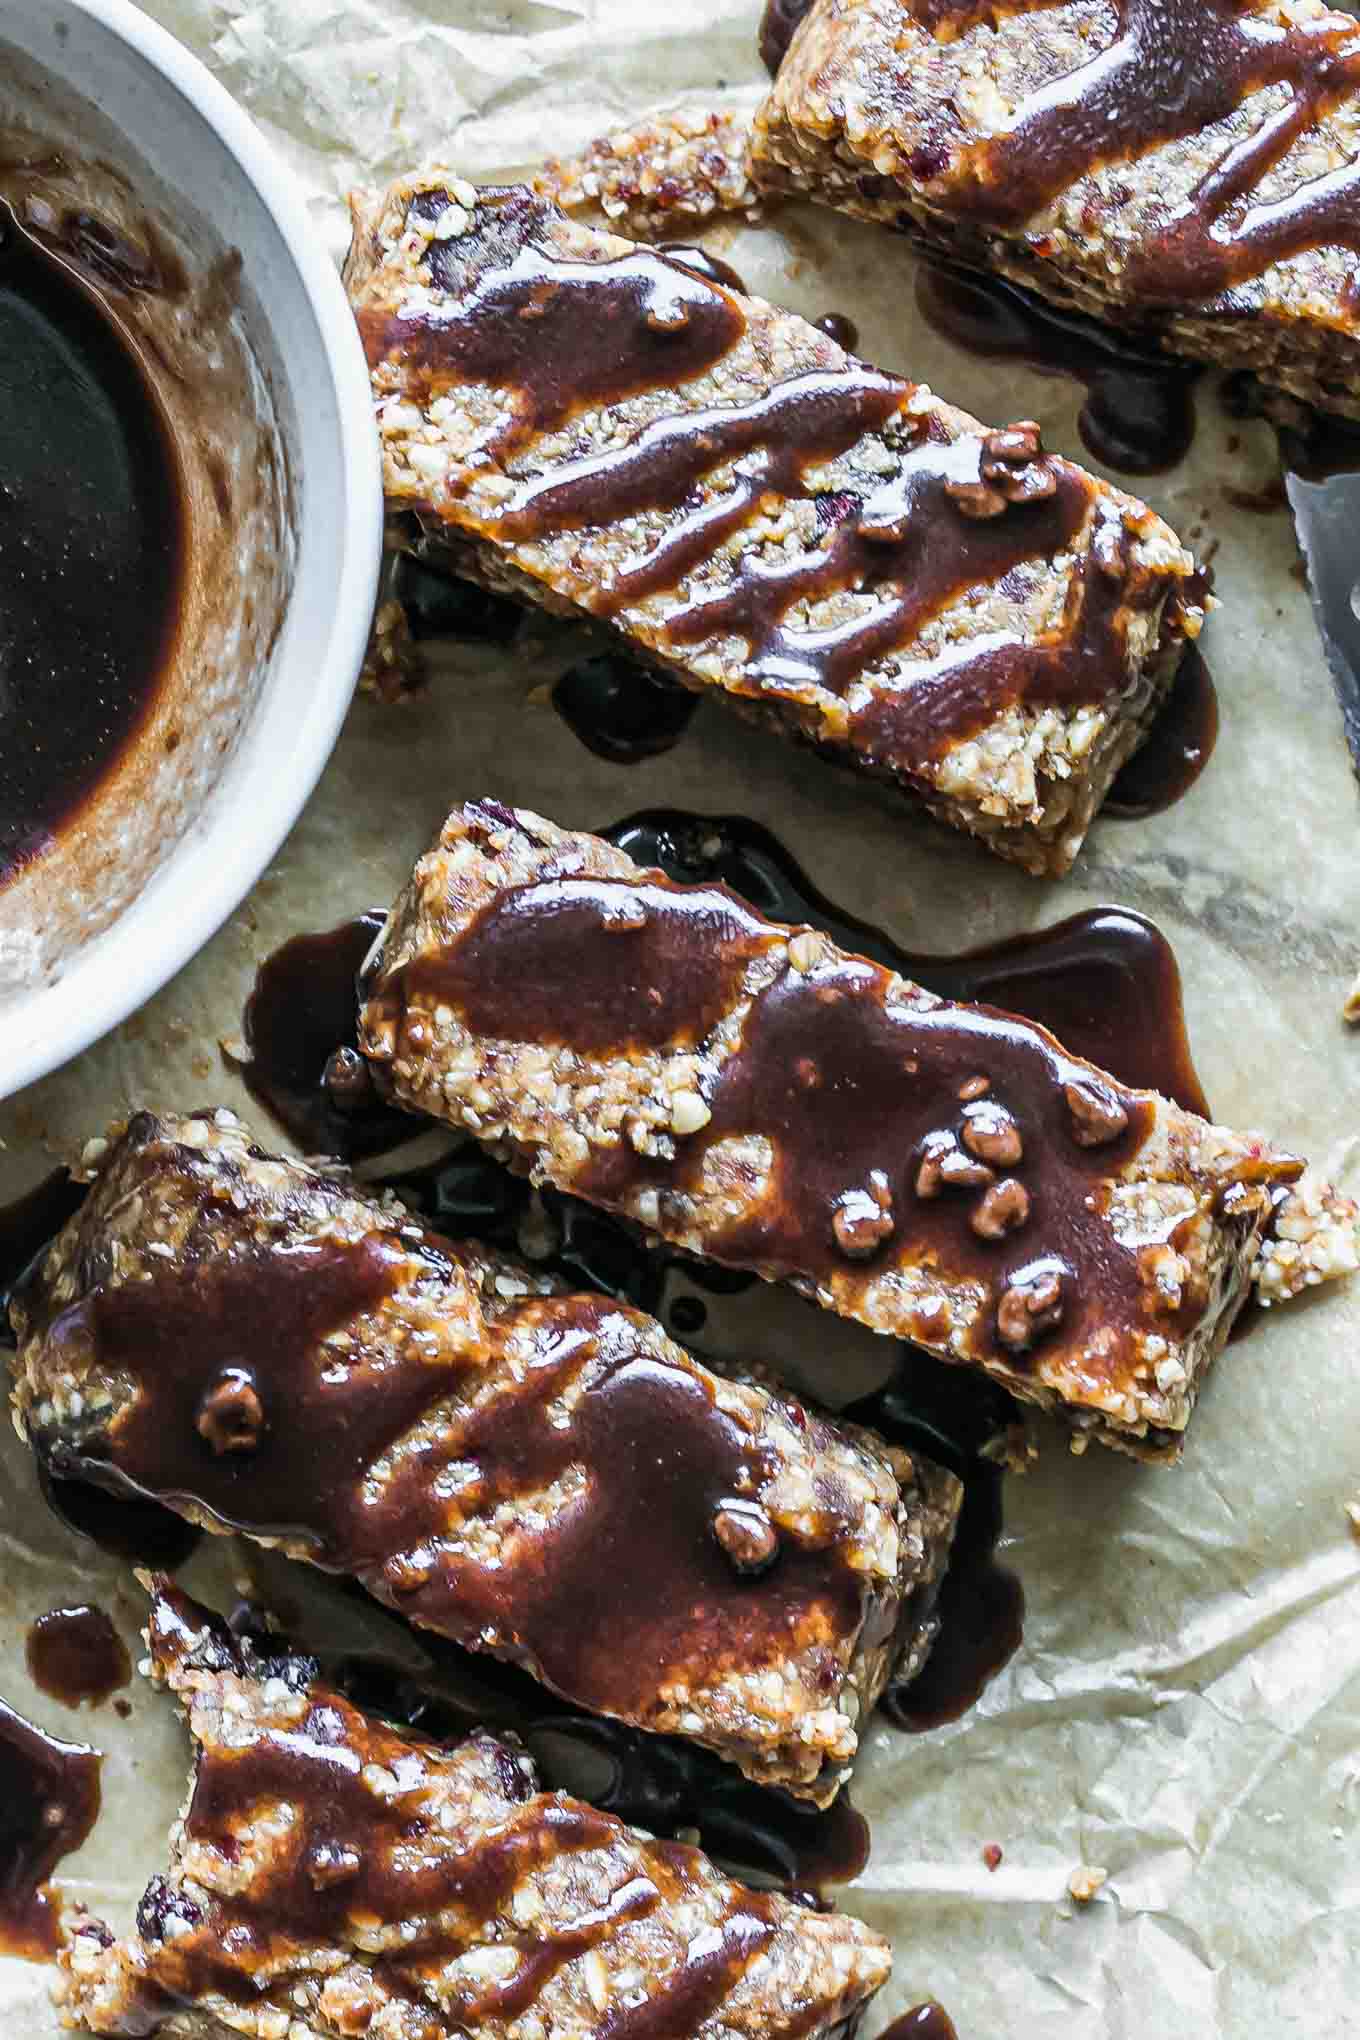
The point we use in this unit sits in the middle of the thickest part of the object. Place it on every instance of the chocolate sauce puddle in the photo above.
(1174, 754)
(1139, 415)
(76, 1654)
(779, 24)
(49, 1801)
(922, 2022)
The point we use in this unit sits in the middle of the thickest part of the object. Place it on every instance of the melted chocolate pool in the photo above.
(1139, 415)
(76, 1654)
(91, 542)
(49, 1801)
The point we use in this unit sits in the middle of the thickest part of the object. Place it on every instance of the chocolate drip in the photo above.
(923, 2022)
(49, 1801)
(711, 267)
(1139, 415)
(954, 515)
(1175, 69)
(1105, 981)
(838, 326)
(123, 1525)
(779, 25)
(27, 1226)
(91, 536)
(300, 1026)
(1169, 761)
(76, 1654)
(620, 710)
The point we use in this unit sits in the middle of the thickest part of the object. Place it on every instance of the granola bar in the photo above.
(1188, 168)
(682, 170)
(747, 1091)
(330, 1878)
(579, 421)
(541, 1475)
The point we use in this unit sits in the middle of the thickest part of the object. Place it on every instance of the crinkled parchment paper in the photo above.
(1185, 1710)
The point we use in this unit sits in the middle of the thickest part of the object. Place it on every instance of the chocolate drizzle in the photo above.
(1175, 68)
(76, 1654)
(49, 1801)
(613, 1459)
(953, 515)
(624, 965)
(1139, 415)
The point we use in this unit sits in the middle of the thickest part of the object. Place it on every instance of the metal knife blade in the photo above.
(1327, 520)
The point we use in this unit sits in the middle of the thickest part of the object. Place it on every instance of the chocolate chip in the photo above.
(746, 1534)
(863, 1218)
(1097, 1115)
(990, 1133)
(230, 1413)
(1001, 1210)
(1029, 1307)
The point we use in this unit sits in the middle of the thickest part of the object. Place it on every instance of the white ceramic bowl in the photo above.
(286, 580)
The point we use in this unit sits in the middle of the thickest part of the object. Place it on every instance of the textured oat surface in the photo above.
(329, 1879)
(878, 116)
(1189, 1205)
(1024, 774)
(178, 1204)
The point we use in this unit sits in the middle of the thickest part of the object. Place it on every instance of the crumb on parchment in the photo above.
(1086, 1881)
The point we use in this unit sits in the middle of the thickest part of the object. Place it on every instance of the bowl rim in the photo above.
(103, 985)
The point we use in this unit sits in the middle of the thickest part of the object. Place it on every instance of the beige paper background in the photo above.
(1185, 1709)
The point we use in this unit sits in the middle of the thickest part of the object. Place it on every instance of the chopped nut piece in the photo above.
(1353, 1518)
(746, 1534)
(1028, 1308)
(1086, 1882)
(231, 1416)
(1097, 1114)
(689, 1114)
(990, 1133)
(1002, 1209)
(863, 1219)
(1350, 1012)
(975, 1087)
(992, 1855)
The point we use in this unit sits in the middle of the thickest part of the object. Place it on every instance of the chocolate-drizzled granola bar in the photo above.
(586, 424)
(1189, 168)
(747, 1091)
(330, 1878)
(544, 1476)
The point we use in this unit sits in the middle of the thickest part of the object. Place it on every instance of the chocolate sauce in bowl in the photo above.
(49, 1801)
(92, 538)
(1138, 417)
